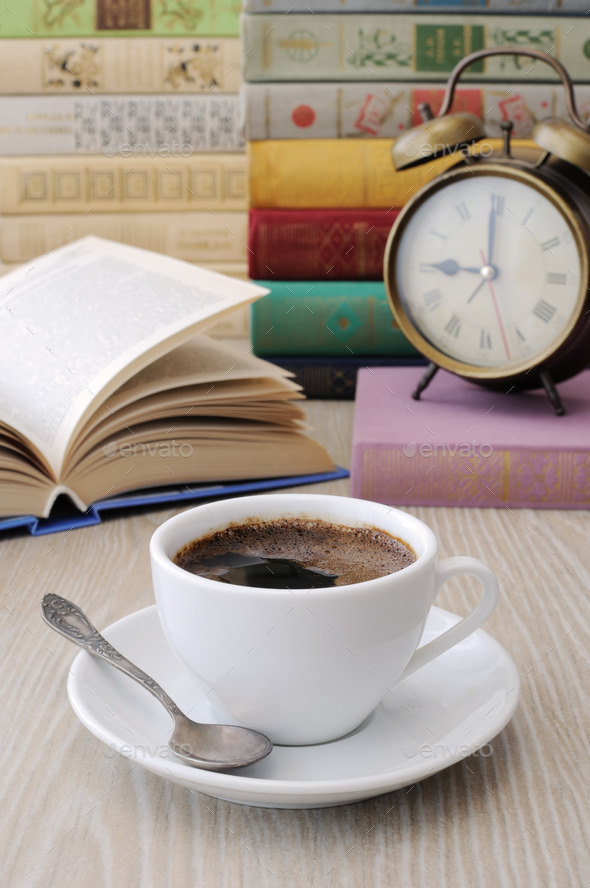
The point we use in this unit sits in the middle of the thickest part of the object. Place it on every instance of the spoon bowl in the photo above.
(213, 747)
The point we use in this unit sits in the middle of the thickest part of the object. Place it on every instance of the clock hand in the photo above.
(449, 266)
(491, 230)
(496, 309)
(478, 288)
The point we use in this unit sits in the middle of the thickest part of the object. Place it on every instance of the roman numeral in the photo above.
(520, 335)
(453, 326)
(438, 234)
(427, 267)
(550, 244)
(463, 211)
(556, 277)
(432, 299)
(527, 217)
(544, 310)
(485, 340)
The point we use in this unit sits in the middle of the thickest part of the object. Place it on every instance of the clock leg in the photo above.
(552, 392)
(425, 380)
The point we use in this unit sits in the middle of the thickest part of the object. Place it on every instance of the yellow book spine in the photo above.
(345, 173)
(96, 184)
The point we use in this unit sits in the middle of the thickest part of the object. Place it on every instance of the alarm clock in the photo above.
(487, 268)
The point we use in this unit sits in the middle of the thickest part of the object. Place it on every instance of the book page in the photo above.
(78, 322)
(200, 359)
(200, 370)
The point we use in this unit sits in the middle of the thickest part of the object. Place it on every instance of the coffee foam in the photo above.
(353, 554)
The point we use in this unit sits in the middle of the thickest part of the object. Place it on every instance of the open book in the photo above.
(107, 383)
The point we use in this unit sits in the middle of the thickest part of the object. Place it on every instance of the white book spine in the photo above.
(383, 110)
(84, 66)
(409, 47)
(166, 126)
(195, 237)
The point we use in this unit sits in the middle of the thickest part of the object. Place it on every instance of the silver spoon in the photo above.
(212, 747)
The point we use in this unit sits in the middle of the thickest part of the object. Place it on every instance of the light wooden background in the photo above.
(73, 812)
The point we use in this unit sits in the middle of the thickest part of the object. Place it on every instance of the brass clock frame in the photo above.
(560, 174)
(517, 374)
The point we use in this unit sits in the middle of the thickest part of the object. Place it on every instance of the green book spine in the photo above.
(348, 319)
(125, 18)
(408, 46)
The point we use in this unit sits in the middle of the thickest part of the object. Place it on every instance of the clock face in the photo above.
(487, 268)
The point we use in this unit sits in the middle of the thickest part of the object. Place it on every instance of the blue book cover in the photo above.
(72, 519)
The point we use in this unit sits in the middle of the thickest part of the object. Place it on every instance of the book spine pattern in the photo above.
(130, 126)
(345, 173)
(317, 245)
(346, 319)
(512, 6)
(382, 110)
(120, 65)
(194, 237)
(407, 47)
(208, 182)
(520, 478)
(136, 18)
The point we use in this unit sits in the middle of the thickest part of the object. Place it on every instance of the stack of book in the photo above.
(327, 88)
(121, 119)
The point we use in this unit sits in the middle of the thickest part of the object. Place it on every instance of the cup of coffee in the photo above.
(297, 612)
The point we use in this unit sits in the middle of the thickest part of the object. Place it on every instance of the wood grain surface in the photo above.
(74, 812)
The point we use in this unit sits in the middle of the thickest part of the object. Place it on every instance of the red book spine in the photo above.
(316, 245)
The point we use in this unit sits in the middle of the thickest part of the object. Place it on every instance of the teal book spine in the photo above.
(344, 318)
(409, 46)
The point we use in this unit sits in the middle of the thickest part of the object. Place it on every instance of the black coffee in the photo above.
(295, 553)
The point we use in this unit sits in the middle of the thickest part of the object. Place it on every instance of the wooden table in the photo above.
(73, 812)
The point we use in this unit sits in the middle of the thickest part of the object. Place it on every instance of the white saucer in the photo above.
(441, 714)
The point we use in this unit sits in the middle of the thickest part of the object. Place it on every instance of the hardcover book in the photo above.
(346, 173)
(193, 236)
(409, 46)
(334, 378)
(351, 110)
(137, 18)
(97, 184)
(129, 126)
(465, 445)
(66, 519)
(107, 385)
(318, 244)
(119, 65)
(343, 318)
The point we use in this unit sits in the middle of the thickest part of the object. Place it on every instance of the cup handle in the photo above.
(445, 569)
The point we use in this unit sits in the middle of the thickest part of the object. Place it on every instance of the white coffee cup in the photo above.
(305, 665)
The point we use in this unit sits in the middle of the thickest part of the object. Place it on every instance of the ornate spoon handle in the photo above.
(67, 619)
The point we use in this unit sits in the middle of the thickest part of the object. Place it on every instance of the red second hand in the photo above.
(496, 309)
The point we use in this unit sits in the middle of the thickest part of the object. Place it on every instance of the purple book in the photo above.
(464, 445)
